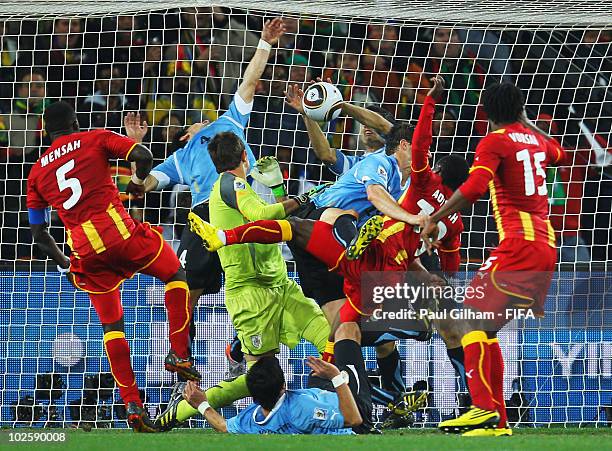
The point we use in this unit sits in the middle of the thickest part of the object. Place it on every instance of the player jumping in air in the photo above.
(192, 166)
(108, 246)
(265, 306)
(511, 162)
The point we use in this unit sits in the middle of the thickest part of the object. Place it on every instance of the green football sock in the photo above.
(317, 332)
(226, 392)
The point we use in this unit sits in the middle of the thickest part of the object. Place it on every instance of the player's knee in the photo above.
(348, 331)
(179, 276)
(385, 349)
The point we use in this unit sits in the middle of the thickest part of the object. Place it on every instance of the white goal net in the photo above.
(178, 63)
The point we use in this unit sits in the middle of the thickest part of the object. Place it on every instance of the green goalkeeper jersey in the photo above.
(232, 203)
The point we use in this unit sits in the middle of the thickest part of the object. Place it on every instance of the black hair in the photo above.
(400, 130)
(265, 381)
(226, 151)
(454, 170)
(503, 102)
(59, 117)
(383, 112)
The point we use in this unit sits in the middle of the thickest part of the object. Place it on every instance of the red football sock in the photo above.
(265, 231)
(118, 353)
(478, 369)
(328, 353)
(179, 317)
(497, 381)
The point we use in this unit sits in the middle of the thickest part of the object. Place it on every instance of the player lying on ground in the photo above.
(511, 162)
(277, 410)
(108, 246)
(192, 166)
(265, 306)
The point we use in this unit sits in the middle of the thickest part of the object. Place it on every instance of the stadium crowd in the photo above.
(178, 67)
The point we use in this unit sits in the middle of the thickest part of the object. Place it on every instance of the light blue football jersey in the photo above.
(345, 162)
(192, 164)
(306, 411)
(350, 190)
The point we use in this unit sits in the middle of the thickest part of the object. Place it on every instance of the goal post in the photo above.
(179, 63)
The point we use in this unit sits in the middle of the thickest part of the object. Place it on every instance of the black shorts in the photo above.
(316, 280)
(203, 268)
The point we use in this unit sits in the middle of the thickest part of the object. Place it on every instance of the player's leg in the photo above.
(390, 366)
(109, 310)
(350, 359)
(165, 266)
(451, 336)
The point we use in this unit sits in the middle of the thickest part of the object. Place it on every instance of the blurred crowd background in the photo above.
(177, 67)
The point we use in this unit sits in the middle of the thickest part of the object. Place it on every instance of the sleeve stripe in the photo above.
(558, 154)
(473, 168)
(127, 155)
(242, 107)
(450, 250)
(419, 170)
(232, 120)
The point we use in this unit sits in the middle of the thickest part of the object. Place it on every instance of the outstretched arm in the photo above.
(196, 397)
(368, 118)
(384, 202)
(272, 30)
(421, 141)
(320, 145)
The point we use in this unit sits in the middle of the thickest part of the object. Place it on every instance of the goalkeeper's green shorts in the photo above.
(264, 317)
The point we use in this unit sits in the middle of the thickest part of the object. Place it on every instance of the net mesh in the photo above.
(179, 66)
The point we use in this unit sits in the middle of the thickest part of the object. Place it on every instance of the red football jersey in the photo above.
(72, 176)
(426, 193)
(512, 162)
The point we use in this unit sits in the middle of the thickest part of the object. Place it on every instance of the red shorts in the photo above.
(379, 256)
(145, 251)
(516, 275)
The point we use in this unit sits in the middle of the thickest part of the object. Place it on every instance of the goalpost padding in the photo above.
(562, 365)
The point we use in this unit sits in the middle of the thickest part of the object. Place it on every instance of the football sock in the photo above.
(478, 369)
(179, 317)
(226, 392)
(236, 350)
(350, 359)
(264, 231)
(118, 353)
(383, 397)
(391, 372)
(345, 229)
(497, 381)
(456, 357)
(317, 332)
(328, 353)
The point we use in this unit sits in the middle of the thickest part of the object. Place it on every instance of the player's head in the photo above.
(60, 119)
(227, 152)
(369, 137)
(399, 143)
(266, 381)
(503, 103)
(453, 170)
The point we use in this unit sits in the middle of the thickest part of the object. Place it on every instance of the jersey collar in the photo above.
(272, 412)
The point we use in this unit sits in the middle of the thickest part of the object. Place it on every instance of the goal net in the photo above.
(179, 63)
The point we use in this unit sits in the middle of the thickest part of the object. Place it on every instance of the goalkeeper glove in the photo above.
(302, 198)
(268, 173)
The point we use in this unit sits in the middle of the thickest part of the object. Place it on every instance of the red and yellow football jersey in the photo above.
(425, 195)
(511, 162)
(72, 176)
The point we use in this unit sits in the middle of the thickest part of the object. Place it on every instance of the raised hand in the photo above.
(437, 88)
(293, 98)
(134, 128)
(322, 369)
(429, 234)
(193, 394)
(272, 30)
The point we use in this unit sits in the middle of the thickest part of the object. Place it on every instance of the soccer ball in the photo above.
(322, 102)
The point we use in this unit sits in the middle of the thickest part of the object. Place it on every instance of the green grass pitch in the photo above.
(427, 440)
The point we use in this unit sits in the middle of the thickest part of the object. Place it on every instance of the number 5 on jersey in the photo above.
(72, 184)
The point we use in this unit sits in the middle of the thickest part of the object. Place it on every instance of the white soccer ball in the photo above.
(322, 102)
